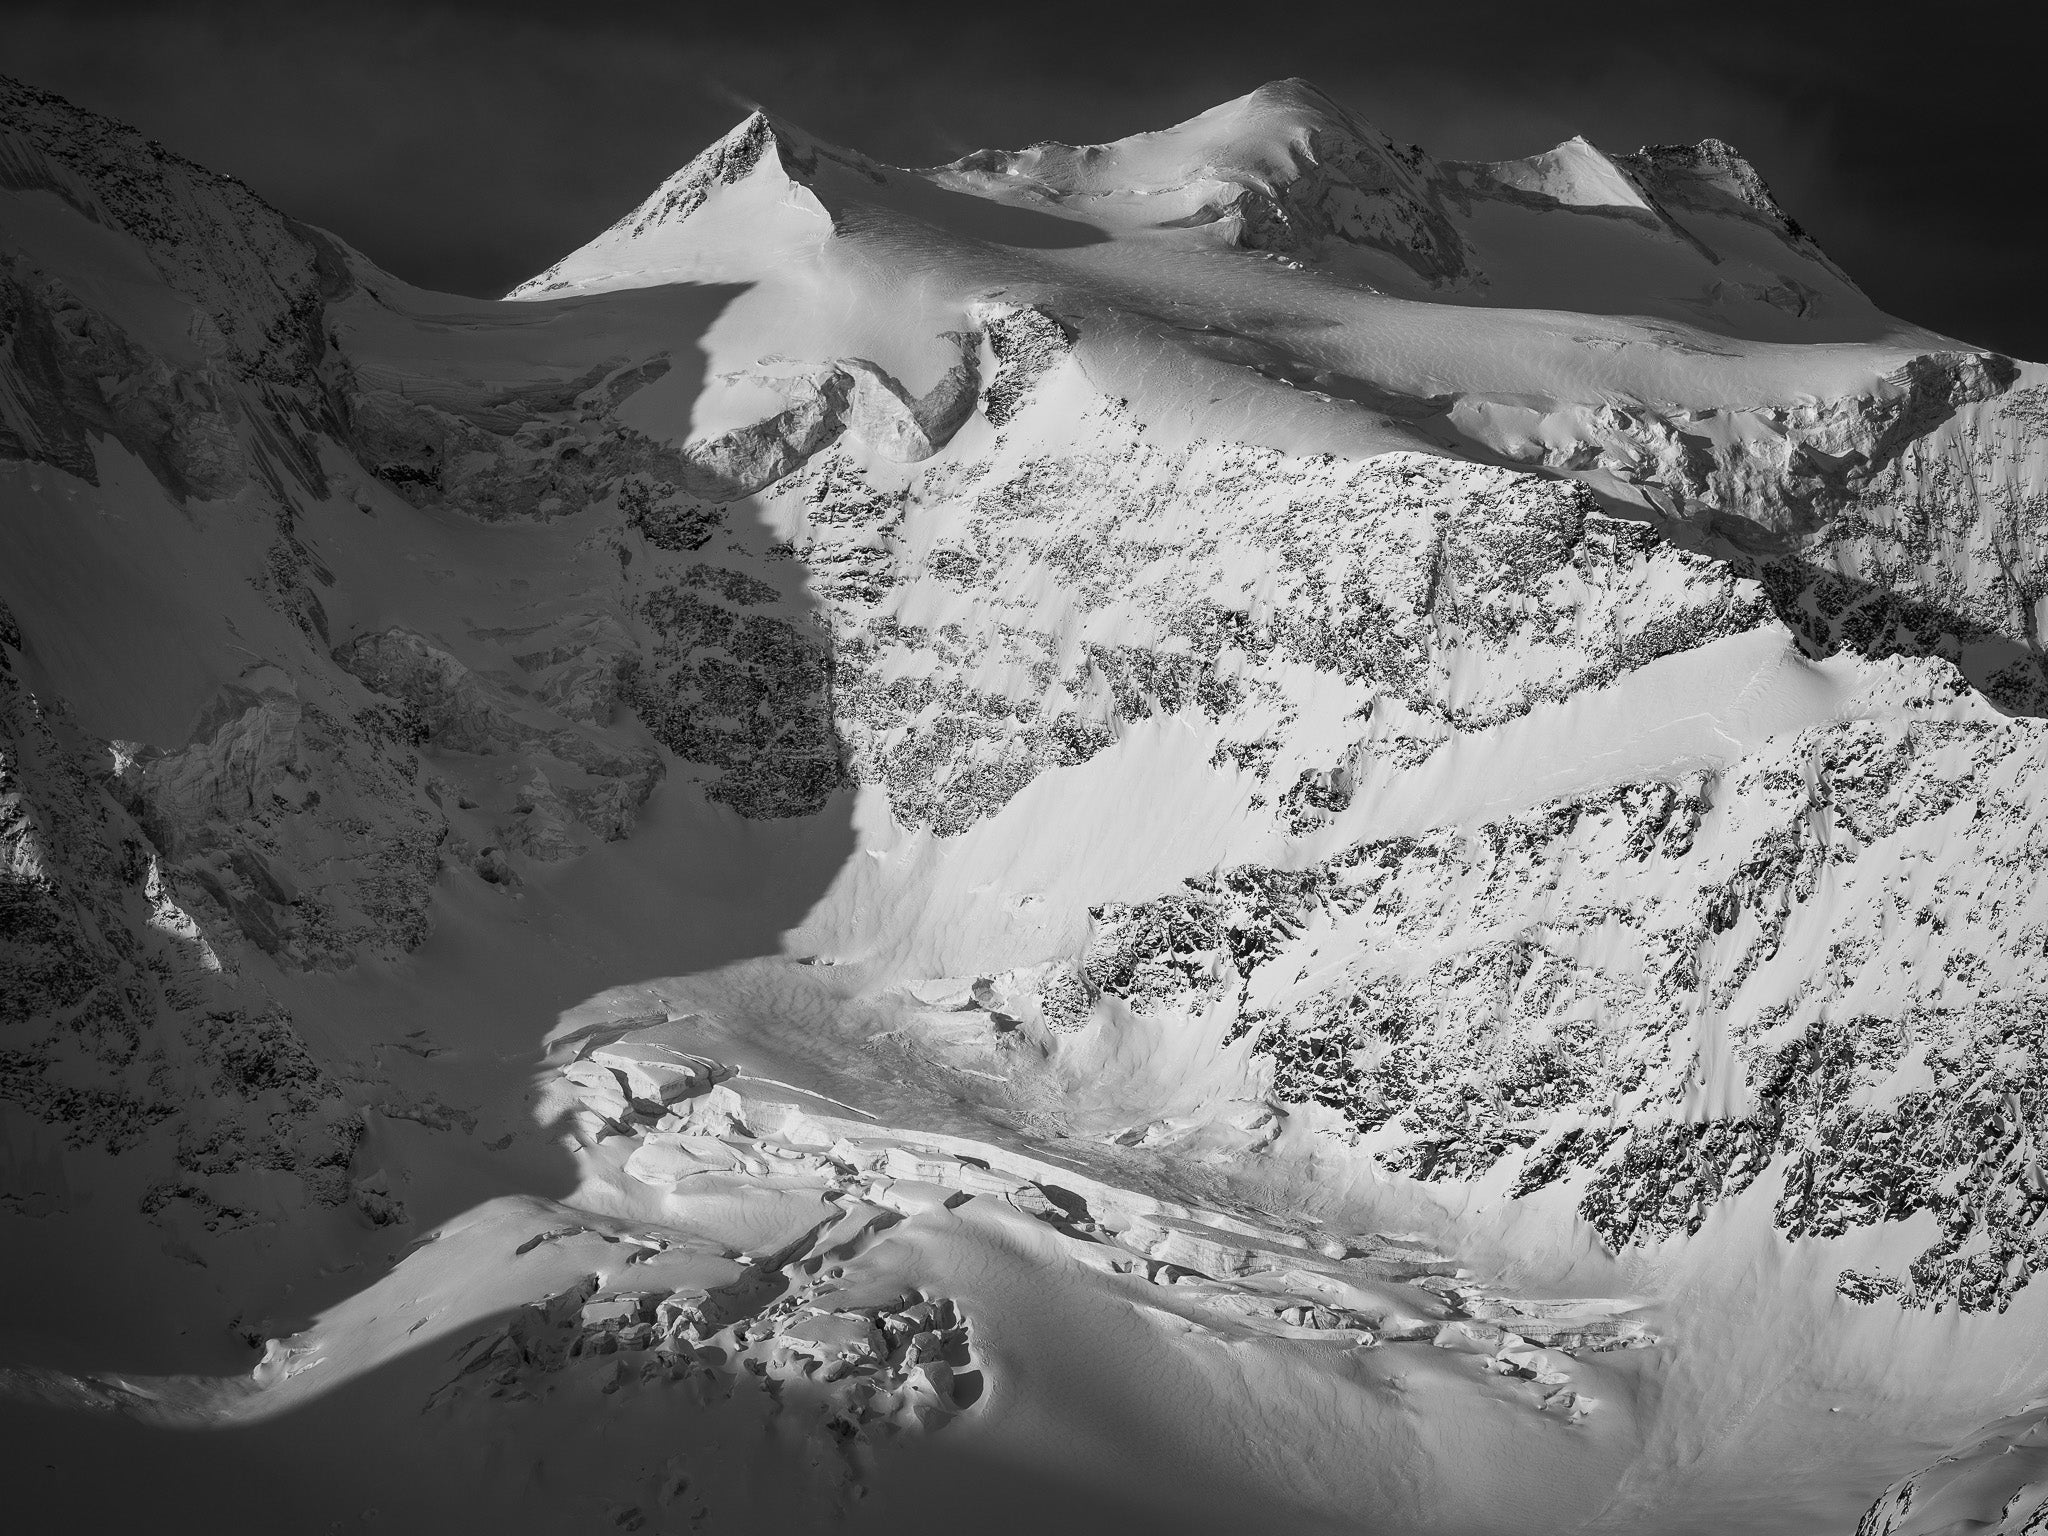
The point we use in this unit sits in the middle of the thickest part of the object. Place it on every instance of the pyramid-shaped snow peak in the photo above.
(761, 148)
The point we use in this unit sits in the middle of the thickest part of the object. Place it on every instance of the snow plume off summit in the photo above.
(1230, 832)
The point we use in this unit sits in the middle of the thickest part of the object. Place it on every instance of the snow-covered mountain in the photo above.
(1235, 831)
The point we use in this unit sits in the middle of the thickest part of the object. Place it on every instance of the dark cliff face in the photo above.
(256, 275)
(162, 895)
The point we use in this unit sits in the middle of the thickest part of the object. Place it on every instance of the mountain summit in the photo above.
(1691, 232)
(1234, 831)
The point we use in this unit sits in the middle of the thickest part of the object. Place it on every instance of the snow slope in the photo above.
(1231, 831)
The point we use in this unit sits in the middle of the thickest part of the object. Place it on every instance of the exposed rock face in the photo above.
(577, 772)
(124, 1028)
(258, 278)
(1453, 564)
(1027, 345)
(1491, 1017)
(296, 822)
(1905, 520)
(738, 691)
(1708, 176)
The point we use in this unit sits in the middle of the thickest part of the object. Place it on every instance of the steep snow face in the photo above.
(761, 167)
(1574, 174)
(1079, 830)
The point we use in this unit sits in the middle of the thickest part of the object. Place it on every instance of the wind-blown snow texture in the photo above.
(1232, 831)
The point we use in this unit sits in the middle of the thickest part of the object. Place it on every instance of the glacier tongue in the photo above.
(1227, 831)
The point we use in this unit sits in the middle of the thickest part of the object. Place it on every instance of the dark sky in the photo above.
(467, 145)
